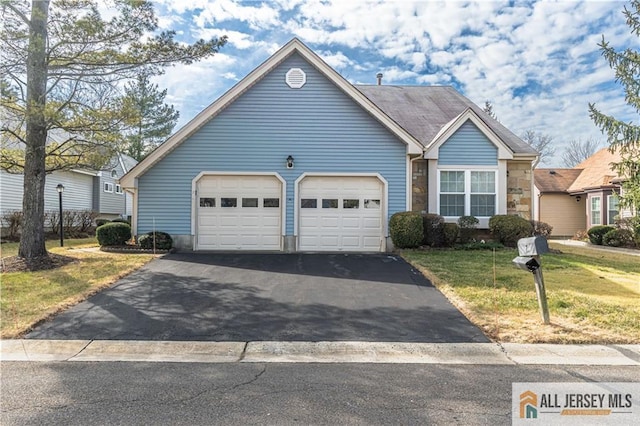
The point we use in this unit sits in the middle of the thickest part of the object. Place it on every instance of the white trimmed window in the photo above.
(118, 189)
(108, 187)
(613, 209)
(467, 192)
(596, 213)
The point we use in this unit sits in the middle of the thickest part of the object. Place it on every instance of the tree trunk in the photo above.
(32, 239)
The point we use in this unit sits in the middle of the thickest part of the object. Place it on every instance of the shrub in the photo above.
(86, 219)
(406, 229)
(163, 240)
(508, 229)
(580, 235)
(432, 225)
(468, 231)
(632, 224)
(121, 220)
(113, 234)
(450, 232)
(542, 229)
(12, 220)
(617, 238)
(597, 232)
(100, 222)
(52, 221)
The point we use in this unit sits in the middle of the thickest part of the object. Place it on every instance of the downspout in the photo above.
(533, 184)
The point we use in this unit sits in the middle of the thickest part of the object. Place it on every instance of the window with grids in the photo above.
(452, 193)
(595, 211)
(467, 192)
(483, 194)
(613, 210)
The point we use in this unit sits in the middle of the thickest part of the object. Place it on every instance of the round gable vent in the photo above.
(296, 78)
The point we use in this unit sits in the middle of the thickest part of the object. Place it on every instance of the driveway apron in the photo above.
(267, 297)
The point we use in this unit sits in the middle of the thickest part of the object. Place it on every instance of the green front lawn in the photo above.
(11, 249)
(594, 296)
(29, 297)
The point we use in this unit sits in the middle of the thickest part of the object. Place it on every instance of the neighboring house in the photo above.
(576, 199)
(83, 190)
(296, 158)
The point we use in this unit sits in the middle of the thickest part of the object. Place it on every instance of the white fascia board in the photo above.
(432, 149)
(85, 172)
(295, 45)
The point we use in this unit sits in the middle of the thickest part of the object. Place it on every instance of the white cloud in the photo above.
(538, 63)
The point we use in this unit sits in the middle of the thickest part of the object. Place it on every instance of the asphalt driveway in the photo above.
(267, 297)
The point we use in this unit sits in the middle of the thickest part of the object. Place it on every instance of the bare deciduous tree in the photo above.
(579, 150)
(541, 143)
(62, 63)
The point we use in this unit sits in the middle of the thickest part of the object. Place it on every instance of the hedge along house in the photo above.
(296, 158)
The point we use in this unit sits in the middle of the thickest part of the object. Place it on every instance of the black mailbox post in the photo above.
(529, 250)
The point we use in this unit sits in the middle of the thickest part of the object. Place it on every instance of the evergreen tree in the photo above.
(488, 108)
(65, 61)
(151, 120)
(624, 136)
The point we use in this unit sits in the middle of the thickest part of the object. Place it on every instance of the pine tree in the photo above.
(488, 108)
(65, 61)
(151, 120)
(624, 137)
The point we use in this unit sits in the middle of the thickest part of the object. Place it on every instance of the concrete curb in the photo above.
(318, 352)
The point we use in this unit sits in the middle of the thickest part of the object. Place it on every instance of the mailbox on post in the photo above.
(532, 246)
(529, 250)
(526, 263)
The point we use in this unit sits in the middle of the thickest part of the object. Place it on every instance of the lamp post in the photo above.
(60, 189)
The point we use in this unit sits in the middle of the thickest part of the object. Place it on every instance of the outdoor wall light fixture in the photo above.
(60, 189)
(289, 162)
(578, 198)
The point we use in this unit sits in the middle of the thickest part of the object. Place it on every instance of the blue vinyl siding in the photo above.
(320, 126)
(468, 146)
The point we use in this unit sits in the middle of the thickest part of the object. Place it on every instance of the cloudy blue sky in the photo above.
(538, 63)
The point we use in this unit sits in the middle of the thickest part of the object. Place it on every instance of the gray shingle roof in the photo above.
(424, 110)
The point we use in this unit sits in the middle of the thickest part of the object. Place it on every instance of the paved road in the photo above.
(268, 297)
(82, 393)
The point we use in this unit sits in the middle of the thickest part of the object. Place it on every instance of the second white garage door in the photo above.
(239, 213)
(340, 213)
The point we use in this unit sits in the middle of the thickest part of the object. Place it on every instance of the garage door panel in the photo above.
(329, 241)
(371, 223)
(371, 242)
(351, 223)
(248, 225)
(336, 229)
(351, 241)
(330, 222)
(208, 221)
(271, 221)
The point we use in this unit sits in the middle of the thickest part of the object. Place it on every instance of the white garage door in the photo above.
(239, 213)
(340, 214)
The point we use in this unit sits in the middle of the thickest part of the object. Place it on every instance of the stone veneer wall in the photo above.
(519, 186)
(419, 185)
